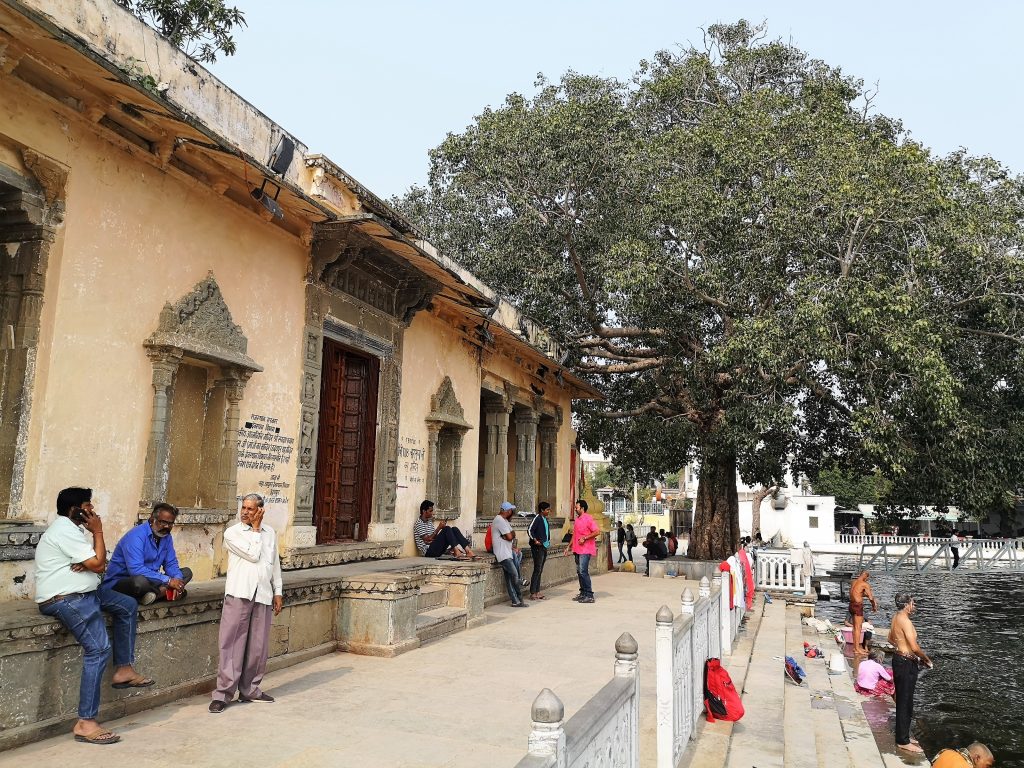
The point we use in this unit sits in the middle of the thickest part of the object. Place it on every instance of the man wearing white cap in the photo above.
(502, 542)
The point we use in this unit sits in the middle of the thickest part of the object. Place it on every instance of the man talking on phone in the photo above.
(70, 557)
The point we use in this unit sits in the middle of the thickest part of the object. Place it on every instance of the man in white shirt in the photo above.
(503, 544)
(69, 559)
(252, 597)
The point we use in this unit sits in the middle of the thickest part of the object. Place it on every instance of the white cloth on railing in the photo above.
(736, 572)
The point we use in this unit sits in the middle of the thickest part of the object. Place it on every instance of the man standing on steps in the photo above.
(906, 661)
(502, 542)
(859, 591)
(252, 597)
(584, 546)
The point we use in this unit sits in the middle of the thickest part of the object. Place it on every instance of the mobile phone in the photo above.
(77, 516)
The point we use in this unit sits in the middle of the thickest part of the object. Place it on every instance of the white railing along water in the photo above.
(776, 571)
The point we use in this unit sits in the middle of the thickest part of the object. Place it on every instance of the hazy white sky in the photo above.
(376, 85)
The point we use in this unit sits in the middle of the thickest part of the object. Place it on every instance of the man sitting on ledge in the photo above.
(435, 542)
(140, 556)
(69, 559)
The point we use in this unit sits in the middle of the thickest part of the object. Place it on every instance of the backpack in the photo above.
(633, 541)
(488, 541)
(721, 699)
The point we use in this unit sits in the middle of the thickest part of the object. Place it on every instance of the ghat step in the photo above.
(436, 623)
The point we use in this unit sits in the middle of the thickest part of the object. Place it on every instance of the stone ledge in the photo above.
(323, 555)
(196, 516)
(18, 541)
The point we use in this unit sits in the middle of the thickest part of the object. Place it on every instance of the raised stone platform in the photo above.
(379, 608)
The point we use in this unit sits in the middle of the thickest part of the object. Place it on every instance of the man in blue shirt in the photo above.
(144, 565)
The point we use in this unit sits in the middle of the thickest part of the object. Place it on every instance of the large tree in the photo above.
(760, 271)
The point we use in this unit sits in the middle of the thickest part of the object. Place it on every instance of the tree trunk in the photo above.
(755, 516)
(716, 515)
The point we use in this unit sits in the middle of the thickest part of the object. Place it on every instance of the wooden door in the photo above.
(345, 449)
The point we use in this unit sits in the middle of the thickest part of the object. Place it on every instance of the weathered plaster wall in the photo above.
(432, 351)
(133, 239)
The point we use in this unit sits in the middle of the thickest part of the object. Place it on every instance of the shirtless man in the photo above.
(977, 755)
(906, 661)
(859, 590)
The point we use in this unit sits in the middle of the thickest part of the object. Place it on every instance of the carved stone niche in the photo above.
(200, 368)
(446, 427)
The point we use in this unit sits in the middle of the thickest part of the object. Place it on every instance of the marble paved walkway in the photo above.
(461, 701)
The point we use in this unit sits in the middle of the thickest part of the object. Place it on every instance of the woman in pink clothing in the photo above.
(872, 678)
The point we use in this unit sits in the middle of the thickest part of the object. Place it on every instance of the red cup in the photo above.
(170, 594)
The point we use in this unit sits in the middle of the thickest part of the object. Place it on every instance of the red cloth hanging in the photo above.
(727, 577)
(748, 577)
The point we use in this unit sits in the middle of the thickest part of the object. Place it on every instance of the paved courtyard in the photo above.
(460, 701)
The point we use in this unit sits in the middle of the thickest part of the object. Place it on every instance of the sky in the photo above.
(376, 85)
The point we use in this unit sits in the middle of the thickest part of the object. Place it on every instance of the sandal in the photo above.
(99, 736)
(136, 682)
(538, 597)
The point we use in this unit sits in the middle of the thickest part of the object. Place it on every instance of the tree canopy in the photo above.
(201, 28)
(758, 269)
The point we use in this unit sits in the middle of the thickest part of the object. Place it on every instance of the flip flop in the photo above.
(99, 736)
(912, 748)
(538, 597)
(136, 682)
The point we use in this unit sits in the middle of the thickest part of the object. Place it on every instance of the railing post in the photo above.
(663, 668)
(704, 590)
(627, 664)
(547, 737)
(725, 614)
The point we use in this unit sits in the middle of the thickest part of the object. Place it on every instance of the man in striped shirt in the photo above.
(434, 542)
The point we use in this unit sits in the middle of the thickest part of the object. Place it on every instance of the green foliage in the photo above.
(201, 28)
(851, 488)
(756, 268)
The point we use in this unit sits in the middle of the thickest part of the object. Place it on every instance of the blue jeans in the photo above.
(83, 617)
(583, 572)
(511, 580)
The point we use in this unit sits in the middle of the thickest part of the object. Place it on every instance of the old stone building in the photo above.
(196, 306)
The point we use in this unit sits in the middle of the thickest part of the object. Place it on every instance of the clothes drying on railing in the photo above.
(736, 571)
(727, 582)
(748, 577)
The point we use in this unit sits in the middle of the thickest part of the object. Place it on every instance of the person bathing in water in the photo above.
(860, 591)
(907, 659)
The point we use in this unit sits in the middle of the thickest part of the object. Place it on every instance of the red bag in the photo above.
(721, 699)
(488, 542)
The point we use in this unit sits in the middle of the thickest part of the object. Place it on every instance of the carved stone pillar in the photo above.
(526, 458)
(548, 486)
(165, 366)
(227, 471)
(433, 463)
(495, 457)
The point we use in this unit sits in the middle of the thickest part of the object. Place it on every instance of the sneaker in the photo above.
(518, 605)
(524, 583)
(587, 599)
(148, 599)
(578, 597)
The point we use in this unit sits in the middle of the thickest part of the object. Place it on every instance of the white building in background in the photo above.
(795, 514)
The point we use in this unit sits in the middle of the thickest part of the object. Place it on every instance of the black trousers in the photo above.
(622, 558)
(137, 586)
(904, 675)
(540, 556)
(446, 537)
(956, 555)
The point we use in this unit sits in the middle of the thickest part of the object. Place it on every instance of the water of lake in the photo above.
(972, 626)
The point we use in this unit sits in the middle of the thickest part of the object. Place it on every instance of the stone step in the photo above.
(431, 596)
(758, 738)
(436, 623)
(849, 707)
(828, 732)
(806, 727)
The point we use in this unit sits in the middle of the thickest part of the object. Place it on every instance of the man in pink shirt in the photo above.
(583, 546)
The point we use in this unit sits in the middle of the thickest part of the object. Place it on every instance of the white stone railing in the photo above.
(776, 571)
(682, 645)
(874, 539)
(606, 730)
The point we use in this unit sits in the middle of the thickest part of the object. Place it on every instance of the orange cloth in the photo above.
(950, 758)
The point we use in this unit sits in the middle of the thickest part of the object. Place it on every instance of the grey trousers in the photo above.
(244, 644)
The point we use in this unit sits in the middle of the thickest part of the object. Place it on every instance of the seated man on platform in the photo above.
(656, 549)
(435, 542)
(144, 564)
